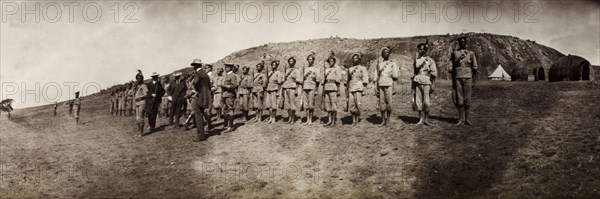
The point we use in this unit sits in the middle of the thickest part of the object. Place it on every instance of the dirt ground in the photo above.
(531, 140)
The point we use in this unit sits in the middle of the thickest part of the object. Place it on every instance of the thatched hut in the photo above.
(571, 68)
(528, 71)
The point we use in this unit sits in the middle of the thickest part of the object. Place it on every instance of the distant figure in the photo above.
(140, 97)
(230, 85)
(333, 77)
(112, 101)
(76, 107)
(129, 99)
(202, 99)
(71, 108)
(176, 92)
(385, 76)
(157, 91)
(359, 77)
(425, 72)
(55, 107)
(464, 71)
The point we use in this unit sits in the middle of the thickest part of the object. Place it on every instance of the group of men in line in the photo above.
(292, 89)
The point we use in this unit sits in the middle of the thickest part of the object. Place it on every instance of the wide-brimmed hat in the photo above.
(229, 64)
(154, 74)
(196, 62)
(177, 74)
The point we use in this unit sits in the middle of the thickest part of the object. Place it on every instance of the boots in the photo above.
(461, 116)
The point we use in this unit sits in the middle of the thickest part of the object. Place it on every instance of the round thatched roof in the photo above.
(570, 68)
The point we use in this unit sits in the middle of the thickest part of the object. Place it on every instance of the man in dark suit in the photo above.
(156, 92)
(176, 91)
(203, 99)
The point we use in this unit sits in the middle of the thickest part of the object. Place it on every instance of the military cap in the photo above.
(274, 61)
(312, 54)
(423, 44)
(386, 48)
(196, 61)
(229, 65)
(292, 57)
(359, 55)
(77, 93)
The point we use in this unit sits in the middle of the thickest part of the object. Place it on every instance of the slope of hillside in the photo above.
(511, 52)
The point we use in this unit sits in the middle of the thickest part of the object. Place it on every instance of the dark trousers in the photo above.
(176, 106)
(152, 114)
(199, 117)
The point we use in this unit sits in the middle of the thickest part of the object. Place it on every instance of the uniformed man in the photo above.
(423, 81)
(385, 76)
(275, 79)
(245, 86)
(217, 90)
(202, 99)
(259, 83)
(309, 88)
(176, 92)
(464, 71)
(230, 85)
(76, 107)
(359, 77)
(292, 78)
(140, 97)
(134, 90)
(129, 103)
(333, 77)
(122, 100)
(157, 91)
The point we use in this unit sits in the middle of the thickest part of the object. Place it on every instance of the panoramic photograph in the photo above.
(300, 99)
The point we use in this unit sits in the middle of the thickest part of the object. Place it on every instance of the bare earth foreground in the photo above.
(531, 140)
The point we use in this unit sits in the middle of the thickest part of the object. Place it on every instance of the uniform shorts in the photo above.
(257, 100)
(307, 100)
(289, 95)
(243, 102)
(271, 100)
(355, 102)
(385, 98)
(217, 100)
(228, 105)
(461, 95)
(140, 112)
(331, 101)
(421, 100)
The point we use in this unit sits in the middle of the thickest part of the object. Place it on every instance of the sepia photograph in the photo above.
(300, 99)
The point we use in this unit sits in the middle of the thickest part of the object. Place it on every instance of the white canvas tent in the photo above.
(499, 74)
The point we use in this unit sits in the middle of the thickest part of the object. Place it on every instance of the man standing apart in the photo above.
(76, 107)
(202, 99)
(464, 71)
(230, 84)
(359, 77)
(423, 80)
(157, 91)
(386, 74)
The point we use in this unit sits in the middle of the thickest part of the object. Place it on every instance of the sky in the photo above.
(49, 51)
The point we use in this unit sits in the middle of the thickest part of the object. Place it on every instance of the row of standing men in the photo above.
(293, 90)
